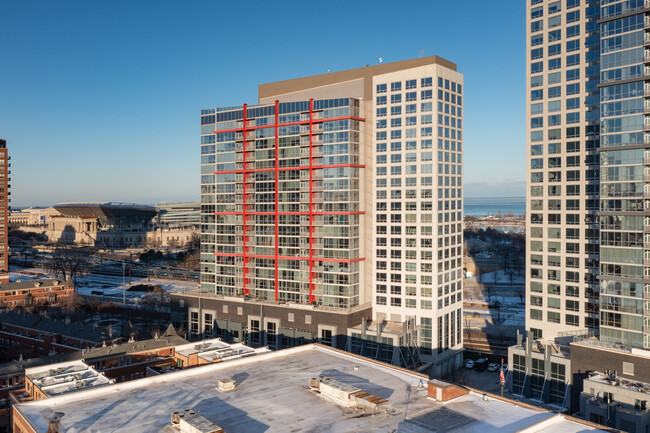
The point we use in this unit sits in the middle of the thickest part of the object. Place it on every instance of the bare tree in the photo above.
(497, 306)
(511, 275)
(68, 262)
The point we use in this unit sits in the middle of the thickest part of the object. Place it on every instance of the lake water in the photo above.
(484, 206)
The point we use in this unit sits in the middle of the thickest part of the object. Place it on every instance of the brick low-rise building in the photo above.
(36, 292)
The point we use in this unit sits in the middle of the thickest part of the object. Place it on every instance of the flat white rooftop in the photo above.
(214, 349)
(272, 394)
(56, 379)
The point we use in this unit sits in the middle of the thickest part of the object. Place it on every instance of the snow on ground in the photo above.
(502, 278)
(109, 286)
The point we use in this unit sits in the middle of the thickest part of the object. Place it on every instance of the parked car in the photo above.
(469, 363)
(494, 367)
(480, 365)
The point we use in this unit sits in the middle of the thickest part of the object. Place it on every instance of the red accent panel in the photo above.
(315, 259)
(314, 167)
(276, 213)
(277, 218)
(244, 276)
(291, 213)
(311, 214)
(361, 119)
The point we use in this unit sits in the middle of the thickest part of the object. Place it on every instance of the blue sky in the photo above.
(101, 100)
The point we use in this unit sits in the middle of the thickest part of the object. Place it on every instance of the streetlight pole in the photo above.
(123, 286)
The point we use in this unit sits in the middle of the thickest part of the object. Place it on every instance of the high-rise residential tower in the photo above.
(562, 95)
(338, 196)
(4, 212)
(588, 75)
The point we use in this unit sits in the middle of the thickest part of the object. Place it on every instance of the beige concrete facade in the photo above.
(411, 191)
(562, 174)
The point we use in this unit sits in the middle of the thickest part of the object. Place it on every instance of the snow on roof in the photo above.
(56, 379)
(215, 348)
(272, 393)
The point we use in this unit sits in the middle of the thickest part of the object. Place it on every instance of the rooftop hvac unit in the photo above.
(226, 385)
(188, 421)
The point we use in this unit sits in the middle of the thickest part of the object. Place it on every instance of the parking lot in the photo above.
(485, 380)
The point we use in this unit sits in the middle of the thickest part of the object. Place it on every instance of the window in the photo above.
(573, 117)
(573, 45)
(573, 60)
(555, 92)
(553, 317)
(554, 7)
(554, 64)
(396, 86)
(573, 16)
(381, 88)
(573, 31)
(554, 50)
(573, 74)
